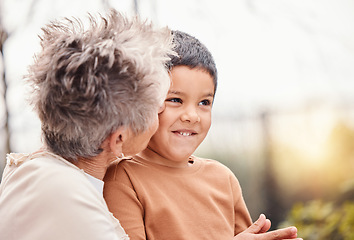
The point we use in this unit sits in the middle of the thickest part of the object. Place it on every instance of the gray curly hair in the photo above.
(88, 82)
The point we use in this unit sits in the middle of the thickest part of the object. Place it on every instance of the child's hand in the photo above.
(258, 231)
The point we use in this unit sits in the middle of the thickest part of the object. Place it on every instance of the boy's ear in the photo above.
(116, 141)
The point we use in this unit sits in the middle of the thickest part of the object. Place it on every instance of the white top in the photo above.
(43, 196)
(97, 183)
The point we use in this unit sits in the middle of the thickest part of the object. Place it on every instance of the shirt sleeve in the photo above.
(242, 217)
(123, 201)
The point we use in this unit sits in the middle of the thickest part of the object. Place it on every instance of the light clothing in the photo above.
(97, 183)
(43, 196)
(155, 202)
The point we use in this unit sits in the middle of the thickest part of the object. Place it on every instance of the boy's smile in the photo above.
(186, 120)
(185, 132)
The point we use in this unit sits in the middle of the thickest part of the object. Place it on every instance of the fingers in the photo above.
(282, 234)
(262, 225)
(266, 226)
(258, 225)
(254, 232)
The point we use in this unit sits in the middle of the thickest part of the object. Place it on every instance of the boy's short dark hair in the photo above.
(192, 53)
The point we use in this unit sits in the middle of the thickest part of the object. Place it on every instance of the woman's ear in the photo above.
(116, 141)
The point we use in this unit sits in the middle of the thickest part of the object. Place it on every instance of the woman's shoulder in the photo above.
(46, 179)
(54, 169)
(40, 166)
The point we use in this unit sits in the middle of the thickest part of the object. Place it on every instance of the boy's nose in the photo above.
(190, 115)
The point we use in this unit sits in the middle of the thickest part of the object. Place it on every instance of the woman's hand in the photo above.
(258, 231)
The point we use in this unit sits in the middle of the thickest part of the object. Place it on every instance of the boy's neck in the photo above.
(152, 156)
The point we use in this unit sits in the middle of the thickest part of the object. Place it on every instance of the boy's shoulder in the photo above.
(136, 165)
(115, 167)
(212, 164)
(127, 164)
(217, 171)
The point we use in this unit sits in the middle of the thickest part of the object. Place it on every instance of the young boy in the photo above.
(165, 192)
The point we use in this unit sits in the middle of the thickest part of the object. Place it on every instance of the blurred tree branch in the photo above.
(3, 37)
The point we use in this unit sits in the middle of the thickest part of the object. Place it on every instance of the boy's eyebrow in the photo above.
(181, 93)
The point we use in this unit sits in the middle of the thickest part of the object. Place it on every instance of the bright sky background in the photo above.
(292, 57)
(269, 53)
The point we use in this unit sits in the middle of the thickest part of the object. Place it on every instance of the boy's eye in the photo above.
(205, 102)
(176, 100)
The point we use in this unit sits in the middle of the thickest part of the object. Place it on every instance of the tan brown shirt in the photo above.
(155, 202)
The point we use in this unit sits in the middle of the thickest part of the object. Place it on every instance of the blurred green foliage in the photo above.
(320, 220)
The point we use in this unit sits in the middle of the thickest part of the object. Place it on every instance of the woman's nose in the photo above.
(162, 108)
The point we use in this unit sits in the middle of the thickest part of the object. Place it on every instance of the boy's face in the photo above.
(186, 119)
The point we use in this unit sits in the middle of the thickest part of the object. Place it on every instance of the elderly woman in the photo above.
(97, 92)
